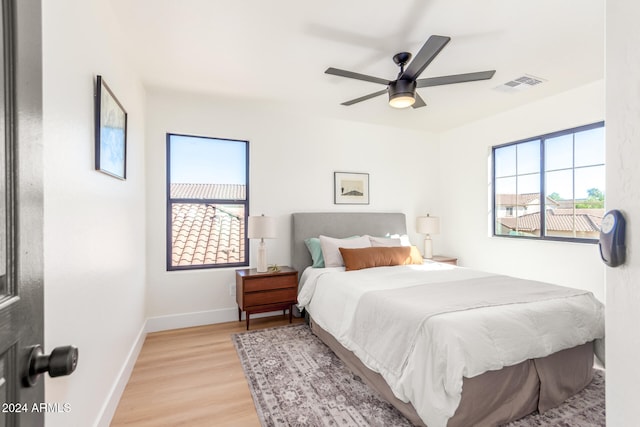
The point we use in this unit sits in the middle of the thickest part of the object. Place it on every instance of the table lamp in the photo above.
(428, 225)
(261, 227)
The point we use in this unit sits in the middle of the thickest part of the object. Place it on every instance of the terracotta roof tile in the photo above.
(206, 233)
(586, 220)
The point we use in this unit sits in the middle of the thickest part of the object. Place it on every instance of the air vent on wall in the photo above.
(516, 85)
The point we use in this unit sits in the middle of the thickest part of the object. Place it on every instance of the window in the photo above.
(207, 202)
(551, 186)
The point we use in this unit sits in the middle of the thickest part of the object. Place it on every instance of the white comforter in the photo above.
(424, 343)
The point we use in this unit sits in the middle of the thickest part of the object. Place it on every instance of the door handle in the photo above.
(61, 361)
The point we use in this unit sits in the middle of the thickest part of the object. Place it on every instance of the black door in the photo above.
(21, 188)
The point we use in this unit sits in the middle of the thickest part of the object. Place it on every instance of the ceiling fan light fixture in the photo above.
(402, 93)
(402, 101)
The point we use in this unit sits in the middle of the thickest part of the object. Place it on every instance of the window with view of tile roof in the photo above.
(551, 186)
(207, 202)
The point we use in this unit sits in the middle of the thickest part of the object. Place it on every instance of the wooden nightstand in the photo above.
(262, 292)
(445, 259)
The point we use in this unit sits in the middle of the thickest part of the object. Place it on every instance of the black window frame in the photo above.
(170, 201)
(542, 187)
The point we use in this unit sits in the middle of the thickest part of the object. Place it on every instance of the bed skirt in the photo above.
(495, 397)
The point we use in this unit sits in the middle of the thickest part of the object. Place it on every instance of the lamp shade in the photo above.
(261, 227)
(428, 224)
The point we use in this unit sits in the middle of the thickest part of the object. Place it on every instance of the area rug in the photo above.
(296, 380)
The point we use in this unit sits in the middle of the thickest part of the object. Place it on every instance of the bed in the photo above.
(442, 373)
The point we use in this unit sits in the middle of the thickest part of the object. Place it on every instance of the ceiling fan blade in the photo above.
(364, 98)
(457, 78)
(357, 76)
(427, 53)
(419, 102)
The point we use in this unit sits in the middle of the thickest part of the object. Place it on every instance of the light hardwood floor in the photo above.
(191, 377)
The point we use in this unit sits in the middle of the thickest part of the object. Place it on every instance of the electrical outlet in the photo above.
(232, 289)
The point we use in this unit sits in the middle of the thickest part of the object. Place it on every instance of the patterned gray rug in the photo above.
(296, 380)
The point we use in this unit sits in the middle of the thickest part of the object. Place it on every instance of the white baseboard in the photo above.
(188, 320)
(111, 404)
(198, 318)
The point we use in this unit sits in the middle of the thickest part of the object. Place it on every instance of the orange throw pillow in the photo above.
(357, 259)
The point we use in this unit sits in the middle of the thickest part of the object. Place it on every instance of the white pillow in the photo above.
(331, 253)
(404, 239)
(384, 241)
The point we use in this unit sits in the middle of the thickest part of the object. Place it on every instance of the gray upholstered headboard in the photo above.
(339, 224)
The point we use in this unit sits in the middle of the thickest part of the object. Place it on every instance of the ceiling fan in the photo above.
(402, 91)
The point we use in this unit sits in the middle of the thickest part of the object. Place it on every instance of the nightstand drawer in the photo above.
(256, 284)
(271, 297)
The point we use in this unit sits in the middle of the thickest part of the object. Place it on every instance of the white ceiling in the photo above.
(276, 51)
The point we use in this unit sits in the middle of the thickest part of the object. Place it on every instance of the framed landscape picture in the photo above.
(351, 188)
(111, 132)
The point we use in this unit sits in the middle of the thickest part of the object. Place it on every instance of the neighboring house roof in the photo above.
(558, 220)
(521, 199)
(568, 204)
(598, 213)
(208, 191)
(204, 233)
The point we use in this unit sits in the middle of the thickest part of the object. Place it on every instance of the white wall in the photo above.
(94, 236)
(465, 155)
(293, 157)
(623, 186)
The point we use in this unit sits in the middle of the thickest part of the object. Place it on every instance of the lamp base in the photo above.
(262, 258)
(428, 248)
